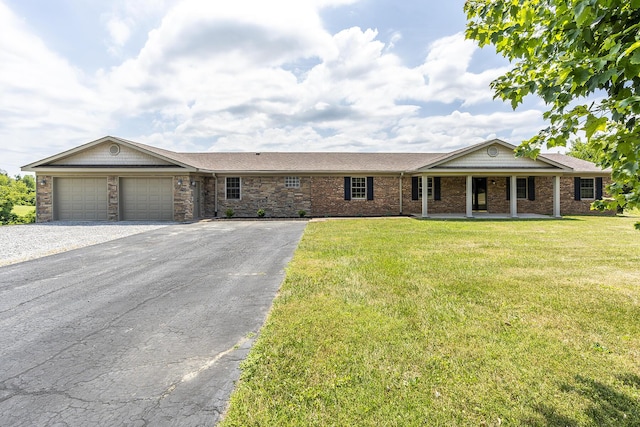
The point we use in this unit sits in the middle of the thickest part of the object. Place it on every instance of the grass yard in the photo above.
(401, 322)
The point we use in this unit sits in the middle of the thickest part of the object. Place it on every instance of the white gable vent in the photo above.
(492, 151)
(114, 150)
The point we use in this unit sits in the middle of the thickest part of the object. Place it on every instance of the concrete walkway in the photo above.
(485, 215)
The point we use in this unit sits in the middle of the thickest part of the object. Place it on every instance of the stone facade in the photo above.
(209, 199)
(44, 198)
(113, 207)
(182, 198)
(263, 192)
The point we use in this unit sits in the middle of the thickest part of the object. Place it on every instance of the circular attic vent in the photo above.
(492, 151)
(114, 149)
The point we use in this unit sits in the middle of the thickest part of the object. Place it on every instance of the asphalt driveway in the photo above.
(143, 330)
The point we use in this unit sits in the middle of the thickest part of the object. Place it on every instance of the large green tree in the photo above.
(582, 57)
(15, 191)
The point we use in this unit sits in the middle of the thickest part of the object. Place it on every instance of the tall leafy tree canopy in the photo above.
(582, 57)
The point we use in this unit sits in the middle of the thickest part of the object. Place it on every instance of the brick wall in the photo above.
(570, 206)
(497, 196)
(263, 192)
(327, 197)
(452, 197)
(324, 196)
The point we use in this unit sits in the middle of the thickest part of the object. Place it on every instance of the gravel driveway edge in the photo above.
(25, 242)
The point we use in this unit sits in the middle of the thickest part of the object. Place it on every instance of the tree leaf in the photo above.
(594, 124)
(583, 13)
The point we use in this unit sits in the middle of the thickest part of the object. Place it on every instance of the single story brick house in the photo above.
(113, 179)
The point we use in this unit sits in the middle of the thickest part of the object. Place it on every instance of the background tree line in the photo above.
(18, 191)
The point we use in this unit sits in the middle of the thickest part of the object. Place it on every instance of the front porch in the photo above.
(484, 195)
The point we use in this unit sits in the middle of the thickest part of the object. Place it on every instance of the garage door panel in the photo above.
(146, 199)
(80, 199)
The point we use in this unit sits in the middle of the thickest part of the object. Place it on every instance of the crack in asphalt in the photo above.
(193, 374)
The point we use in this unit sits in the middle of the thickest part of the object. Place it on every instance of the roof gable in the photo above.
(111, 152)
(492, 154)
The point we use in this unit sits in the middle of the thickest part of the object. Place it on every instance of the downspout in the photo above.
(401, 175)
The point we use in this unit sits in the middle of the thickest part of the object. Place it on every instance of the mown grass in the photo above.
(400, 322)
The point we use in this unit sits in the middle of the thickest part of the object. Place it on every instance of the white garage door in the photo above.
(80, 199)
(146, 199)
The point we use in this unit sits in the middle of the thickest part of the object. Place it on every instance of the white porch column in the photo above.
(556, 196)
(514, 196)
(469, 213)
(425, 197)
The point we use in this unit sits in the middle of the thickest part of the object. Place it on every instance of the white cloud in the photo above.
(127, 18)
(44, 100)
(460, 129)
(245, 75)
(395, 38)
(446, 72)
(119, 30)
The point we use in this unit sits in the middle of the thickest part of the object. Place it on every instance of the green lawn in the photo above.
(23, 210)
(401, 322)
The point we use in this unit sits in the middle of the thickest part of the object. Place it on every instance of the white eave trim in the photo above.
(493, 172)
(309, 172)
(108, 171)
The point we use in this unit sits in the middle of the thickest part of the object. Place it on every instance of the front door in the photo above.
(479, 194)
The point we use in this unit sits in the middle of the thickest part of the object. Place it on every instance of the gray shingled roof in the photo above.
(574, 163)
(329, 161)
(311, 162)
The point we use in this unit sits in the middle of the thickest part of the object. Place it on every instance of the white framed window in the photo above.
(522, 188)
(429, 188)
(358, 187)
(587, 188)
(292, 181)
(232, 186)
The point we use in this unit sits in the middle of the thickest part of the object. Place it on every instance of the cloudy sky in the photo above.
(278, 75)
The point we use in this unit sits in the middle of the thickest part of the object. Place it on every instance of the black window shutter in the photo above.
(369, 188)
(508, 188)
(531, 183)
(414, 188)
(347, 188)
(599, 188)
(576, 188)
(436, 188)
